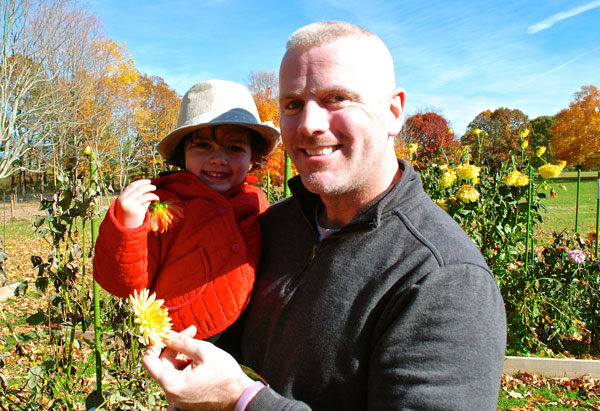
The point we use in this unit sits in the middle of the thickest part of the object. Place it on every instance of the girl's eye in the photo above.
(202, 145)
(237, 149)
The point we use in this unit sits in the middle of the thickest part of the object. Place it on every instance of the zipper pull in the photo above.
(313, 253)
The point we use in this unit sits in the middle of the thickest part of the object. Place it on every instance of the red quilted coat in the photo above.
(203, 266)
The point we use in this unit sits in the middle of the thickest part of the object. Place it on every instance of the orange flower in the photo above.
(164, 214)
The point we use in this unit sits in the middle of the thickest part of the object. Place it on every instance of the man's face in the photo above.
(220, 156)
(334, 117)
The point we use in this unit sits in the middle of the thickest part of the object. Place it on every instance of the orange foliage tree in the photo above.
(264, 85)
(576, 134)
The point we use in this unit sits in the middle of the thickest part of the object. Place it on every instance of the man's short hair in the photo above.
(318, 34)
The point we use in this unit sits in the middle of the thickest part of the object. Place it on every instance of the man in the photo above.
(368, 295)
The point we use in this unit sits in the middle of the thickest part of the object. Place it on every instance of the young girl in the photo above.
(199, 248)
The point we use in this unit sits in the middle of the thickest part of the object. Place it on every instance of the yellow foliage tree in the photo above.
(154, 117)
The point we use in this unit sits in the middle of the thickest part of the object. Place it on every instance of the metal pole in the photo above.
(597, 213)
(287, 175)
(577, 202)
(528, 221)
(96, 290)
(268, 187)
(4, 219)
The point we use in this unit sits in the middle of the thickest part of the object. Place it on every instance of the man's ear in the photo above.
(396, 114)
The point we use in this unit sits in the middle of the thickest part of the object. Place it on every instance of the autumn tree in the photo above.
(431, 132)
(541, 131)
(155, 115)
(35, 81)
(263, 86)
(576, 134)
(498, 137)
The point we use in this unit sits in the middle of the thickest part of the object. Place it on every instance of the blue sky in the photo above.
(456, 57)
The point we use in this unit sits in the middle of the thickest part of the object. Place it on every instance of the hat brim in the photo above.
(167, 145)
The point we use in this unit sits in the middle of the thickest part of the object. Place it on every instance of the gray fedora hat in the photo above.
(213, 103)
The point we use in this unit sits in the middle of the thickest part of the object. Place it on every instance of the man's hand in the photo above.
(196, 375)
(133, 203)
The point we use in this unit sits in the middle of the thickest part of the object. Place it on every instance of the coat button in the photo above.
(236, 247)
(221, 210)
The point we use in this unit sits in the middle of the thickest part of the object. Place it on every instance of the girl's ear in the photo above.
(396, 114)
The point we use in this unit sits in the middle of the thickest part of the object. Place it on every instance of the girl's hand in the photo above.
(133, 203)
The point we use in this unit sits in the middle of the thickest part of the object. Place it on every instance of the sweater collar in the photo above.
(370, 216)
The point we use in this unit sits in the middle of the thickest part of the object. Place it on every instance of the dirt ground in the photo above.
(21, 210)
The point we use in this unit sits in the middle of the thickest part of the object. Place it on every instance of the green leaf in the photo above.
(21, 289)
(41, 284)
(38, 317)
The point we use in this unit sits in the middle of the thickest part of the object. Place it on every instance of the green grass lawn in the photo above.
(561, 210)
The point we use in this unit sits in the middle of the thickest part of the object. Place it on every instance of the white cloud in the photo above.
(552, 20)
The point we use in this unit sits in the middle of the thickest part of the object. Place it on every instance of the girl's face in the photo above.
(220, 156)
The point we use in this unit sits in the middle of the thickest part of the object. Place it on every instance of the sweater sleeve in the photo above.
(123, 256)
(440, 345)
(269, 400)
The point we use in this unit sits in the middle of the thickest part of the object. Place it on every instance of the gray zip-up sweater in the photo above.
(397, 310)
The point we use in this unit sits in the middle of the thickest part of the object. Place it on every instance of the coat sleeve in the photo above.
(124, 259)
(441, 343)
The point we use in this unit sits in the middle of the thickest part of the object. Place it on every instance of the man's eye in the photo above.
(293, 105)
(339, 99)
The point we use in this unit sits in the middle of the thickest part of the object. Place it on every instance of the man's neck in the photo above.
(339, 210)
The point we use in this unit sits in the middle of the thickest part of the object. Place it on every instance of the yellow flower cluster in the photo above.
(516, 179)
(540, 151)
(153, 320)
(467, 193)
(412, 148)
(448, 178)
(552, 170)
(442, 204)
(468, 171)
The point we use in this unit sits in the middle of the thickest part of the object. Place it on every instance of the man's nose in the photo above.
(314, 120)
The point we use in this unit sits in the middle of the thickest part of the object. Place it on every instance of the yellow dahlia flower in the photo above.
(164, 214)
(468, 171)
(412, 148)
(550, 171)
(442, 204)
(448, 178)
(540, 151)
(152, 319)
(477, 131)
(562, 164)
(524, 133)
(525, 144)
(516, 179)
(467, 193)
